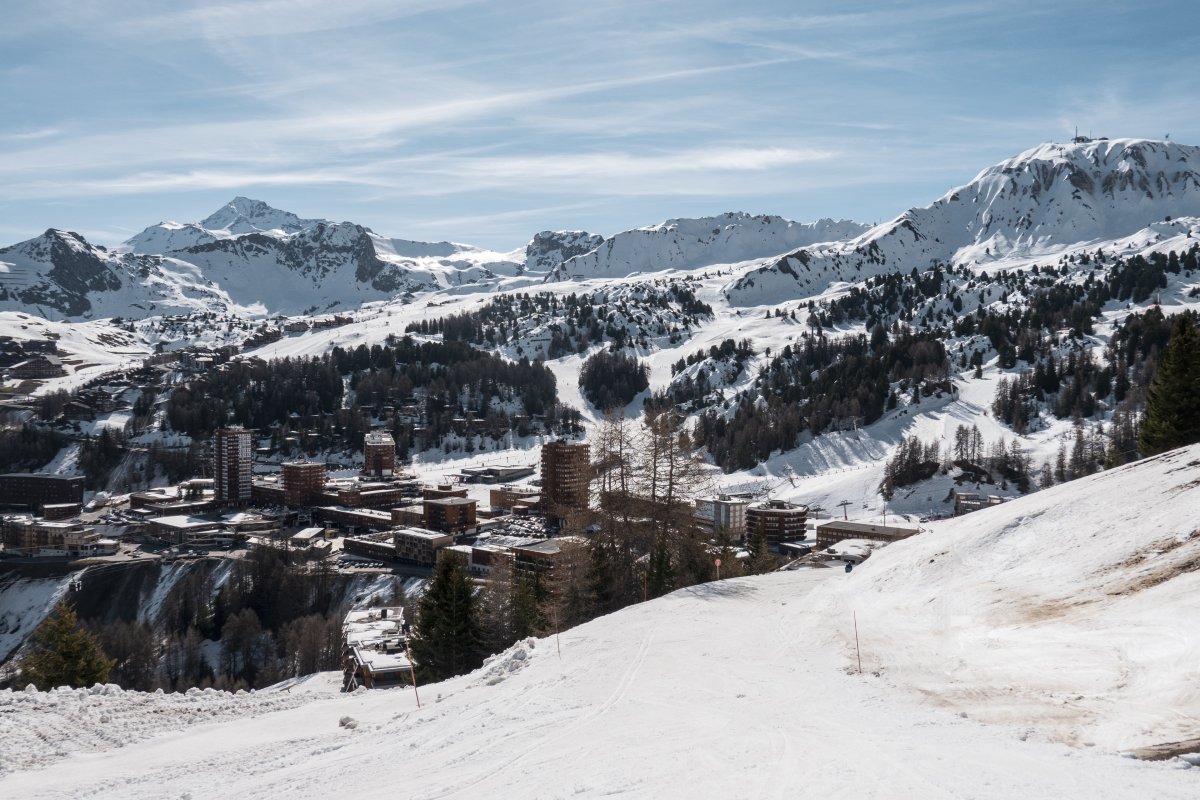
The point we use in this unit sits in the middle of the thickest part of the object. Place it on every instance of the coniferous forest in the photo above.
(345, 392)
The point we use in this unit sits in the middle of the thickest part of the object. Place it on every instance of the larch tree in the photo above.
(62, 653)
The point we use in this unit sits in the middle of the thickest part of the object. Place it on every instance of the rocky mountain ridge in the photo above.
(1038, 204)
(250, 259)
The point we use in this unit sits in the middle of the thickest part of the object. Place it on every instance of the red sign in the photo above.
(717, 562)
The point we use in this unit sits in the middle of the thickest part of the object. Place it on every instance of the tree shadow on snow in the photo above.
(715, 590)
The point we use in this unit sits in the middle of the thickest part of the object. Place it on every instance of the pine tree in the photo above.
(660, 576)
(1173, 404)
(761, 558)
(62, 653)
(447, 640)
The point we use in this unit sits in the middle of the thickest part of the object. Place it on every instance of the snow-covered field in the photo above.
(988, 644)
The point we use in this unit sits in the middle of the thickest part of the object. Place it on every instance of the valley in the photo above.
(627, 448)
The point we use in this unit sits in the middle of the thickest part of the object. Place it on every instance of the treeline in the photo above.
(611, 379)
(1173, 405)
(1079, 387)
(738, 352)
(28, 448)
(1084, 451)
(999, 463)
(271, 619)
(821, 383)
(939, 296)
(575, 322)
(719, 366)
(444, 379)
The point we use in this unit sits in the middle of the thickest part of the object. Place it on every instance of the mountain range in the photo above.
(1049, 200)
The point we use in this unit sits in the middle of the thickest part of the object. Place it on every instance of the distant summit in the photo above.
(1050, 197)
(239, 216)
(246, 215)
(691, 243)
(250, 257)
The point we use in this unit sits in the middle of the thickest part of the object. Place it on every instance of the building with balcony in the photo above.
(777, 521)
(566, 472)
(450, 514)
(35, 490)
(232, 454)
(830, 533)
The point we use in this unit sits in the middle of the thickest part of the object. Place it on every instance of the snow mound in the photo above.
(497, 668)
(41, 728)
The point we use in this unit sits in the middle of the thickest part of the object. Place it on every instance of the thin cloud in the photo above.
(605, 173)
(30, 136)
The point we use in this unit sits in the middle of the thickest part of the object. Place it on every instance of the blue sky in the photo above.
(486, 122)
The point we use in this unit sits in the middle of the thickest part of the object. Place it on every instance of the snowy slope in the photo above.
(987, 643)
(1071, 612)
(692, 243)
(60, 271)
(226, 262)
(1049, 198)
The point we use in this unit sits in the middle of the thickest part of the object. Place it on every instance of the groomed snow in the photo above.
(743, 688)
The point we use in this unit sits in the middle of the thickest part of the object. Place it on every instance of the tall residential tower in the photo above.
(232, 451)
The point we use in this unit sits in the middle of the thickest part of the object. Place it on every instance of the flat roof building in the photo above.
(548, 557)
(33, 490)
(829, 533)
(368, 518)
(302, 481)
(566, 471)
(380, 545)
(374, 648)
(966, 502)
(420, 546)
(450, 514)
(777, 521)
(379, 454)
(495, 474)
(441, 490)
(505, 497)
(232, 453)
(28, 536)
(722, 513)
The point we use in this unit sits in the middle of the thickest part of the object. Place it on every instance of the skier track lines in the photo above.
(618, 693)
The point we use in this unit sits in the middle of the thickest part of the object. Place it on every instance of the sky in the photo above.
(484, 122)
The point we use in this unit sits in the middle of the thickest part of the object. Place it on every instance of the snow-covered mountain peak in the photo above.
(246, 215)
(699, 242)
(53, 243)
(1104, 167)
(239, 216)
(547, 250)
(57, 271)
(1049, 198)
